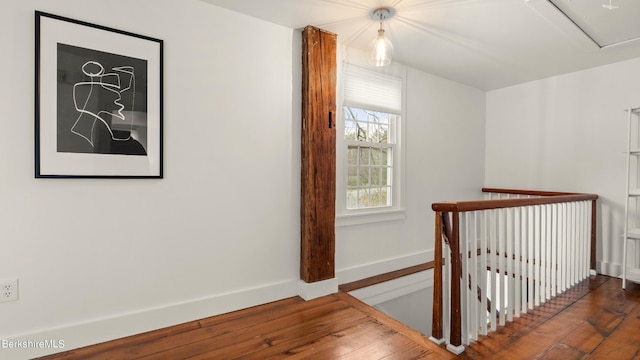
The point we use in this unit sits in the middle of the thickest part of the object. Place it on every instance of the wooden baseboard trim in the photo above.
(377, 279)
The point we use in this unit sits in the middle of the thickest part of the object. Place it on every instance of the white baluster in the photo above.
(494, 267)
(473, 271)
(554, 249)
(524, 266)
(517, 239)
(484, 235)
(587, 238)
(572, 244)
(586, 243)
(501, 265)
(510, 298)
(530, 256)
(464, 282)
(543, 254)
(562, 245)
(580, 250)
(547, 253)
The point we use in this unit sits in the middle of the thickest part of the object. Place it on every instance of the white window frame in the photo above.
(344, 216)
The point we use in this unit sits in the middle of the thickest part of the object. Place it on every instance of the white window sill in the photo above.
(367, 217)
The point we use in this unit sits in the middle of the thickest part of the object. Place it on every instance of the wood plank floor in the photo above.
(594, 320)
(332, 327)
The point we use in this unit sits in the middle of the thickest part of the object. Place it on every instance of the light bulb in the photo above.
(380, 49)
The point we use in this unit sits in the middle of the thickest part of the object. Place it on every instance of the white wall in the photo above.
(568, 133)
(99, 259)
(444, 143)
(445, 124)
(221, 231)
(413, 310)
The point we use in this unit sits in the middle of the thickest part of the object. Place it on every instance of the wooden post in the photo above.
(456, 274)
(593, 234)
(318, 173)
(436, 321)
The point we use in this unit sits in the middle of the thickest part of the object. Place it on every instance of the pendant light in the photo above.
(381, 49)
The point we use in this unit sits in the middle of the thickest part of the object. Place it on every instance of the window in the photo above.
(370, 139)
(369, 156)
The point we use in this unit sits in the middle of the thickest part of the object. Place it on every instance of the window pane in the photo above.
(361, 131)
(384, 118)
(386, 196)
(385, 175)
(377, 197)
(375, 133)
(363, 199)
(364, 156)
(350, 130)
(380, 196)
(352, 156)
(348, 113)
(376, 156)
(364, 176)
(376, 176)
(385, 156)
(359, 113)
(352, 177)
(384, 134)
(352, 198)
(367, 125)
(378, 127)
(369, 162)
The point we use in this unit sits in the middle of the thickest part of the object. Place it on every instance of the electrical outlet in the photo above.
(8, 290)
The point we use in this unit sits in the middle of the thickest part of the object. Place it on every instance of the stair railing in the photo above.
(501, 257)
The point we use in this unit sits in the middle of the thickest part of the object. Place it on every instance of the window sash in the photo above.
(369, 182)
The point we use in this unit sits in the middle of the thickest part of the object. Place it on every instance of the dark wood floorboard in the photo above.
(594, 320)
(332, 327)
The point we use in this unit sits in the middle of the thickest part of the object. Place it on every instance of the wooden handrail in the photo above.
(450, 232)
(380, 278)
(463, 206)
(526, 192)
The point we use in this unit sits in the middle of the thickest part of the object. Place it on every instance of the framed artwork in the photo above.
(98, 101)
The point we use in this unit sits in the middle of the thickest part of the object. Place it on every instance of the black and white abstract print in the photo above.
(101, 102)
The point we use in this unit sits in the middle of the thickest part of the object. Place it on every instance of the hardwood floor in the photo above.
(594, 320)
(332, 327)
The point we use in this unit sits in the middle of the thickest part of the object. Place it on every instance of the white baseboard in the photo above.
(388, 290)
(609, 268)
(94, 331)
(73, 336)
(455, 349)
(310, 291)
(367, 270)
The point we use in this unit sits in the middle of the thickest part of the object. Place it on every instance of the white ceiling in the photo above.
(607, 22)
(487, 44)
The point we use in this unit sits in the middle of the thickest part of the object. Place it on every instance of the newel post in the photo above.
(456, 274)
(436, 322)
(593, 236)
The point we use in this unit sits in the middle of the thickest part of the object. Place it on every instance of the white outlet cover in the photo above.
(8, 290)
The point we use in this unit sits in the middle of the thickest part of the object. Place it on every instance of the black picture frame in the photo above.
(98, 101)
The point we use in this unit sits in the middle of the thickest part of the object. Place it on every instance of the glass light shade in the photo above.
(380, 50)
